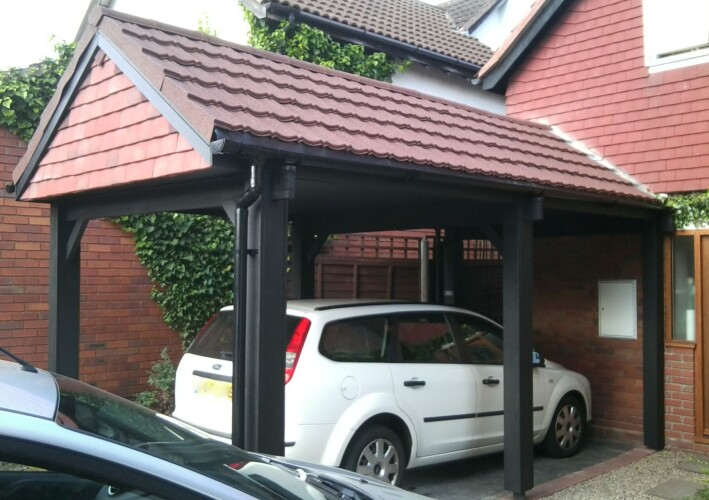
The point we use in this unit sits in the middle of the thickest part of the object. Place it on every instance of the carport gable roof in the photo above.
(208, 88)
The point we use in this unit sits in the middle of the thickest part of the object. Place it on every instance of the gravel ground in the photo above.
(631, 481)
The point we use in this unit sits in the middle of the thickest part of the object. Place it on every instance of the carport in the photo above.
(150, 118)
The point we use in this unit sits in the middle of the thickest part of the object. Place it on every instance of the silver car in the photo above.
(61, 438)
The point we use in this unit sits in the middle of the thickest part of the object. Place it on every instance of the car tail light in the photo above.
(294, 347)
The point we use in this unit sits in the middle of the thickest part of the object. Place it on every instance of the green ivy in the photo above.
(189, 258)
(303, 42)
(25, 92)
(690, 209)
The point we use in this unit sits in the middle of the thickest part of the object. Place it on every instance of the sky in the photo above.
(30, 28)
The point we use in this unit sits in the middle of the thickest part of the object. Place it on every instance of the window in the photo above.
(482, 339)
(216, 340)
(676, 33)
(21, 481)
(426, 338)
(683, 288)
(355, 340)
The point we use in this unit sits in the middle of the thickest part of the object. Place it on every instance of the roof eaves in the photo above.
(244, 143)
(375, 41)
(494, 75)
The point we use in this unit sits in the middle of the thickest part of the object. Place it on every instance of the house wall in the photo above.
(455, 88)
(122, 332)
(565, 323)
(500, 21)
(588, 77)
(679, 398)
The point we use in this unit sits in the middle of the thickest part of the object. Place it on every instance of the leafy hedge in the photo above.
(24, 93)
(305, 43)
(690, 209)
(189, 258)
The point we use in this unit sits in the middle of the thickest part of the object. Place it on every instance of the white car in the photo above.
(61, 438)
(377, 388)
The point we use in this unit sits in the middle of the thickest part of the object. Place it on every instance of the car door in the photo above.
(431, 383)
(483, 345)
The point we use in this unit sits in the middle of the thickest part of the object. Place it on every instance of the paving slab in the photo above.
(482, 478)
(694, 466)
(675, 489)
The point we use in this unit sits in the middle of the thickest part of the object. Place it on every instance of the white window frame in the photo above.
(658, 28)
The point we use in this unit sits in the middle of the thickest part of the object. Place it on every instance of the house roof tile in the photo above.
(217, 85)
(409, 21)
(465, 13)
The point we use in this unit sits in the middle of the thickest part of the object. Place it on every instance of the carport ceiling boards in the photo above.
(357, 142)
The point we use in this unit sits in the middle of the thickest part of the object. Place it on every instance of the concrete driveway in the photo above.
(483, 477)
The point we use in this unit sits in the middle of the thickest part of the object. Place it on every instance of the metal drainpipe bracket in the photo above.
(252, 252)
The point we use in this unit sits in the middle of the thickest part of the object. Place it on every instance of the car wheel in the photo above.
(376, 452)
(567, 429)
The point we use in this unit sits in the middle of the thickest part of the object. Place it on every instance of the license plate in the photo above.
(216, 388)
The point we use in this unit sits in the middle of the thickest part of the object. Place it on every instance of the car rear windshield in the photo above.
(90, 410)
(216, 340)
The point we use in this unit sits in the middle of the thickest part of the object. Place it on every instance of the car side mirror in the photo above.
(537, 360)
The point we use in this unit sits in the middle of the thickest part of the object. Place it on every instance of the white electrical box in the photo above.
(617, 309)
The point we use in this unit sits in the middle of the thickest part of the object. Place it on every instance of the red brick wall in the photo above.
(122, 333)
(587, 77)
(566, 275)
(679, 397)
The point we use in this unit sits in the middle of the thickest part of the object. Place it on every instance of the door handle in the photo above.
(414, 383)
(491, 381)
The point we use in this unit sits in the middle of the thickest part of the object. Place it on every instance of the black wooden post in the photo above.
(653, 338)
(265, 314)
(517, 343)
(64, 293)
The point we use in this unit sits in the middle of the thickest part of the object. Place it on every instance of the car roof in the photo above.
(323, 304)
(31, 393)
(305, 306)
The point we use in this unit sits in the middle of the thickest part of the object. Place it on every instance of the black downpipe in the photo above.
(248, 198)
(438, 256)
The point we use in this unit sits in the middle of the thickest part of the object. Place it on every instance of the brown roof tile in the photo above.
(217, 85)
(465, 13)
(409, 21)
